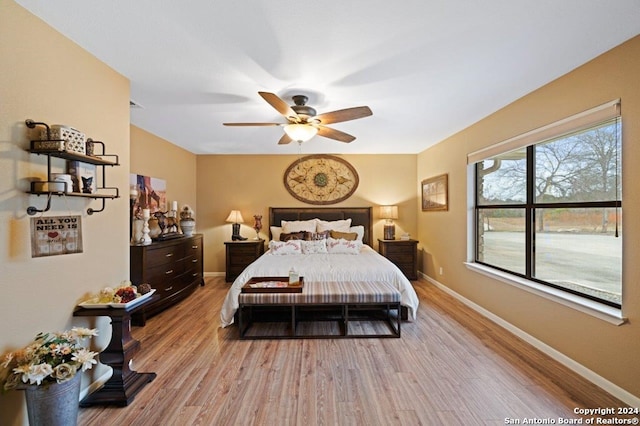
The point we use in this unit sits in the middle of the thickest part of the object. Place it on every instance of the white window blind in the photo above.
(567, 125)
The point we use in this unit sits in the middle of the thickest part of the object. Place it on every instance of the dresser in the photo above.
(239, 255)
(173, 267)
(403, 253)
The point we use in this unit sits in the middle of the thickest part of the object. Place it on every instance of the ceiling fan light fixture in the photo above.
(300, 132)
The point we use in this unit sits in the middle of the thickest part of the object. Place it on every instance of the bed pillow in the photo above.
(293, 236)
(349, 236)
(334, 225)
(299, 226)
(285, 247)
(359, 229)
(275, 232)
(343, 246)
(314, 247)
(312, 236)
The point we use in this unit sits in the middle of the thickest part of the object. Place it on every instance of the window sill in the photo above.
(589, 307)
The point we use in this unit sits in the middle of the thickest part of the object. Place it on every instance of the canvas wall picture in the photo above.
(151, 194)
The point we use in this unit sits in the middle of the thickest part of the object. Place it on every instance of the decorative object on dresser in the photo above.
(321, 179)
(435, 193)
(235, 217)
(239, 255)
(257, 225)
(187, 222)
(389, 213)
(403, 253)
(173, 267)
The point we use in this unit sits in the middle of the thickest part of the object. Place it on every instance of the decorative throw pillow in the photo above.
(293, 236)
(312, 236)
(299, 226)
(343, 246)
(314, 247)
(285, 247)
(349, 236)
(334, 225)
(358, 229)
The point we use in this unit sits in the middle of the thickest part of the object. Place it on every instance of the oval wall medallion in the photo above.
(321, 179)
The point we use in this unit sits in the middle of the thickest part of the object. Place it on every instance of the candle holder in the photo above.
(146, 239)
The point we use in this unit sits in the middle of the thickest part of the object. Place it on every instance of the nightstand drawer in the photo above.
(240, 254)
(403, 253)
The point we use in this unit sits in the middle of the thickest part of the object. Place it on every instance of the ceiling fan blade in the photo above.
(281, 106)
(285, 139)
(343, 115)
(330, 133)
(252, 124)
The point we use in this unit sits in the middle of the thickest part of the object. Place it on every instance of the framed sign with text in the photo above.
(55, 235)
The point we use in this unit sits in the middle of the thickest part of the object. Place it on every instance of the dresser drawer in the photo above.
(163, 255)
(162, 273)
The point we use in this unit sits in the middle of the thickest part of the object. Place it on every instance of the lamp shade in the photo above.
(389, 212)
(300, 132)
(235, 217)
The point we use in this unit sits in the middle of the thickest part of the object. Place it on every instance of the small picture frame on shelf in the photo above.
(83, 176)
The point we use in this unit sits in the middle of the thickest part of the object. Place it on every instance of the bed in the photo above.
(346, 261)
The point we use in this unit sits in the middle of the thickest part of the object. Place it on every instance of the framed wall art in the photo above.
(435, 193)
(151, 194)
(321, 179)
(55, 235)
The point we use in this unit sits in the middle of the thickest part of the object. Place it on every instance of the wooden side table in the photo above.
(403, 253)
(124, 383)
(240, 254)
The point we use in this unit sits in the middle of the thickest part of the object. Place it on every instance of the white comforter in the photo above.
(368, 265)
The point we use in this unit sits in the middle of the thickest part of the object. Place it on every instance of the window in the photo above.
(550, 210)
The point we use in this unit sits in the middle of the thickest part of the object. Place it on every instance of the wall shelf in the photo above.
(99, 160)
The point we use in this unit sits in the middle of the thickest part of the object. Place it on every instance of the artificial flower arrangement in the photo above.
(51, 358)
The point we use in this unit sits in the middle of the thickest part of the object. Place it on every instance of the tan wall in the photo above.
(159, 158)
(253, 183)
(608, 350)
(48, 78)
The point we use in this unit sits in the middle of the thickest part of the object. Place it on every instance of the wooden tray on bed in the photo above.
(272, 285)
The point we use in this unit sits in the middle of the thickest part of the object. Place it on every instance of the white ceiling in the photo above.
(426, 68)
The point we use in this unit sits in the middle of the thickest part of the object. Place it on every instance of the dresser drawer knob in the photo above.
(194, 247)
(169, 254)
(170, 271)
(168, 288)
(194, 261)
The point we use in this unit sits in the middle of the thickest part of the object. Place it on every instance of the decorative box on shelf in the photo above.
(73, 139)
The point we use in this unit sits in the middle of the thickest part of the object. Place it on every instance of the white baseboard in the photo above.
(612, 388)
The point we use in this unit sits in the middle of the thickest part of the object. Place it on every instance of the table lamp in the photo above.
(389, 213)
(235, 217)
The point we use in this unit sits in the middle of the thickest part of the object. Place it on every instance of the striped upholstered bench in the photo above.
(318, 301)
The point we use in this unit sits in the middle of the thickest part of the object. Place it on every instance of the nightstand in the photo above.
(240, 254)
(403, 253)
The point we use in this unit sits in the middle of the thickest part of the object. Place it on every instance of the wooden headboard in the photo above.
(358, 215)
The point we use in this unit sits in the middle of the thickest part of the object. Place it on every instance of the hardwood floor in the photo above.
(451, 367)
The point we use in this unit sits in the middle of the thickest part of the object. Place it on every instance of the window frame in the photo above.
(530, 206)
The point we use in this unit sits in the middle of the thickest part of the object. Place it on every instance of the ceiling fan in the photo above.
(303, 123)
